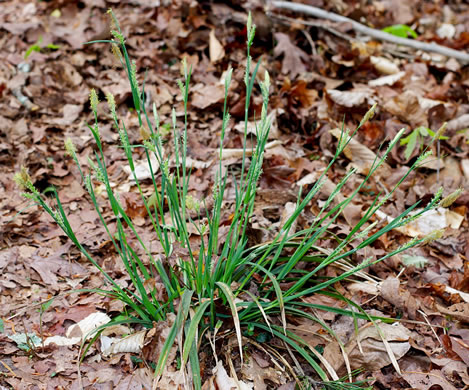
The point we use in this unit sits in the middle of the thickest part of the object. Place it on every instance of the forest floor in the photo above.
(321, 75)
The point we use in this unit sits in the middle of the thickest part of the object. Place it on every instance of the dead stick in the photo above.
(377, 34)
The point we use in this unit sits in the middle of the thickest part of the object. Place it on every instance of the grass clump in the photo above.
(216, 277)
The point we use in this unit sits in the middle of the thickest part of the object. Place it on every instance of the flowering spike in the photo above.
(156, 116)
(369, 115)
(70, 148)
(434, 235)
(116, 51)
(22, 178)
(249, 24)
(112, 104)
(451, 198)
(228, 78)
(94, 101)
(133, 74)
(441, 131)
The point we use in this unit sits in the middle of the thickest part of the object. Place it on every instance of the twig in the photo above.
(312, 24)
(389, 48)
(377, 34)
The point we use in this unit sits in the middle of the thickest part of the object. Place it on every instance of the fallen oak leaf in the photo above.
(426, 380)
(372, 348)
(208, 95)
(292, 55)
(132, 343)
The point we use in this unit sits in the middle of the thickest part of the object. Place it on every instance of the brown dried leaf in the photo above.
(292, 55)
(406, 106)
(375, 354)
(426, 380)
(361, 157)
(208, 95)
(458, 311)
(400, 298)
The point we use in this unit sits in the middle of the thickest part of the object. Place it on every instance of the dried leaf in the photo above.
(459, 311)
(383, 65)
(406, 106)
(88, 324)
(132, 343)
(362, 158)
(208, 95)
(216, 50)
(225, 382)
(375, 353)
(355, 97)
(292, 63)
(386, 80)
(426, 380)
(428, 222)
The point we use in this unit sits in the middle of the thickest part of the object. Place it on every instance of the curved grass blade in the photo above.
(230, 298)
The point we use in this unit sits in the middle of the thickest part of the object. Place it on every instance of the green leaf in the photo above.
(46, 305)
(424, 131)
(400, 30)
(442, 137)
(26, 342)
(412, 143)
(181, 316)
(190, 337)
(32, 48)
(51, 46)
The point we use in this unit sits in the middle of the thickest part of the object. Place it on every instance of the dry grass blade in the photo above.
(388, 349)
(230, 298)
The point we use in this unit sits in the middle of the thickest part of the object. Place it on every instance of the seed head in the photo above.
(22, 178)
(116, 51)
(192, 204)
(369, 115)
(70, 148)
(94, 100)
(434, 235)
(451, 198)
(112, 104)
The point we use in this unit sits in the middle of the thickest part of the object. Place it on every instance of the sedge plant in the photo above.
(216, 276)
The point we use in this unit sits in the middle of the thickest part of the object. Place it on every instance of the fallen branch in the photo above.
(377, 34)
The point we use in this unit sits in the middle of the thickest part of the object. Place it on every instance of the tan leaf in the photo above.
(406, 106)
(428, 222)
(353, 98)
(208, 95)
(386, 80)
(361, 157)
(459, 311)
(368, 349)
(132, 343)
(216, 50)
(225, 382)
(426, 380)
(383, 65)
